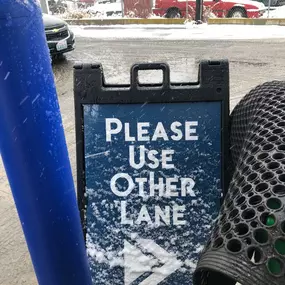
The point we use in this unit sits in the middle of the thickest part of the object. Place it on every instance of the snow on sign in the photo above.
(151, 163)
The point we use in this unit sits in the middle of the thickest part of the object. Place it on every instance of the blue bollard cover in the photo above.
(34, 151)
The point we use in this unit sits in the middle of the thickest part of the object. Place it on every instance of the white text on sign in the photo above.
(150, 185)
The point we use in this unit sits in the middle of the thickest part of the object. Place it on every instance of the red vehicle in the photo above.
(220, 8)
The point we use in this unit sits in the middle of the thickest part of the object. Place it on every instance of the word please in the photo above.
(176, 131)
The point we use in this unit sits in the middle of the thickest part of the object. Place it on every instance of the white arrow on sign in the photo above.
(137, 263)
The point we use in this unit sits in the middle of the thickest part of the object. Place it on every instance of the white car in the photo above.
(106, 8)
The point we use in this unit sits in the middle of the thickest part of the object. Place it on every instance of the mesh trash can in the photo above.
(247, 244)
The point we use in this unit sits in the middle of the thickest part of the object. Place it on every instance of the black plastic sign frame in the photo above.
(90, 90)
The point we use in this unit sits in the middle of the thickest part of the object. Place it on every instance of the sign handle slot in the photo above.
(150, 66)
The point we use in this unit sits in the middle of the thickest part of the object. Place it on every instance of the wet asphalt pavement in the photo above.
(251, 63)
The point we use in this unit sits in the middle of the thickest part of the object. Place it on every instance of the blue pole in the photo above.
(34, 151)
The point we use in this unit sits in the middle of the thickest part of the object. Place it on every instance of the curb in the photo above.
(245, 21)
(162, 21)
(108, 22)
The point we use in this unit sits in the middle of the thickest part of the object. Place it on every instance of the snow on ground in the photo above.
(181, 32)
(278, 12)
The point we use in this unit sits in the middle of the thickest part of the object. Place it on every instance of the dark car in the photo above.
(273, 3)
(60, 38)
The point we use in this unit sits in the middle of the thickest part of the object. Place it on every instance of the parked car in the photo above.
(60, 38)
(220, 8)
(85, 3)
(106, 8)
(57, 7)
(273, 3)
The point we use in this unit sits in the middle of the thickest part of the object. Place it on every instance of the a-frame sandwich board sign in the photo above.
(151, 170)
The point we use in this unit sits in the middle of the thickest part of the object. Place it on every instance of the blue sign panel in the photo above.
(153, 177)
